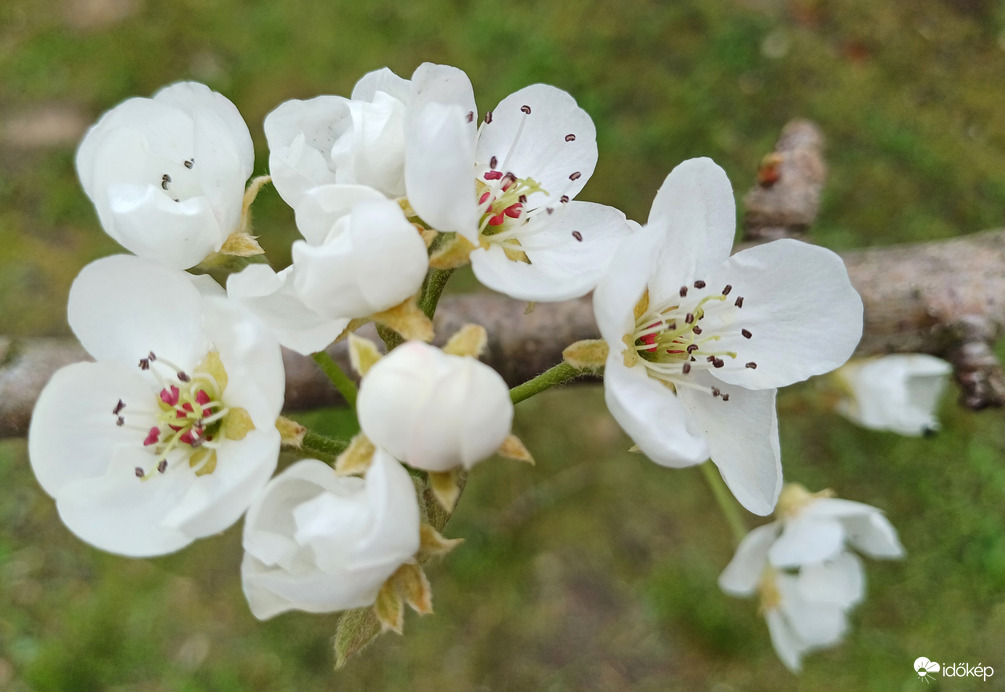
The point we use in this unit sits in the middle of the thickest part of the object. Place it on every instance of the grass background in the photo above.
(596, 569)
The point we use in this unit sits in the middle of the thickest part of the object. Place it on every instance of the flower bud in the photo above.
(319, 542)
(166, 174)
(432, 410)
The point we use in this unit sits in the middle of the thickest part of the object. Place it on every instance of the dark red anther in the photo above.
(144, 363)
(139, 472)
(726, 290)
(752, 365)
(576, 176)
(493, 175)
(697, 329)
(488, 117)
(183, 376)
(683, 291)
(699, 284)
(718, 363)
(190, 163)
(563, 199)
(525, 109)
(689, 318)
(120, 421)
(739, 302)
(522, 199)
(153, 437)
(162, 465)
(570, 137)
(692, 348)
(118, 407)
(170, 397)
(715, 391)
(493, 162)
(725, 397)
(686, 368)
(508, 180)
(746, 333)
(577, 235)
(471, 116)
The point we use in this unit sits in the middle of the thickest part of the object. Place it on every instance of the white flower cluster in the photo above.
(805, 571)
(172, 434)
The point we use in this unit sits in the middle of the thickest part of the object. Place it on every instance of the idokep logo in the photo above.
(927, 670)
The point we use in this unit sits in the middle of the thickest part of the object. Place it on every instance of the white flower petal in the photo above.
(381, 80)
(371, 261)
(215, 112)
(695, 215)
(817, 624)
(439, 173)
(840, 581)
(788, 646)
(622, 286)
(123, 307)
(540, 132)
(188, 231)
(73, 433)
(802, 311)
(874, 536)
(898, 392)
(805, 540)
(271, 298)
(742, 436)
(446, 85)
(742, 574)
(651, 415)
(320, 208)
(300, 135)
(121, 514)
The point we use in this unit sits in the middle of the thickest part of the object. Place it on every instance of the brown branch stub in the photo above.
(976, 369)
(785, 201)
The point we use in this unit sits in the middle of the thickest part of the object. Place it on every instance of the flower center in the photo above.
(189, 416)
(671, 343)
(179, 182)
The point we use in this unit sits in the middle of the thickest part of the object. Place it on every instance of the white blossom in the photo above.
(357, 142)
(167, 174)
(897, 392)
(508, 186)
(168, 435)
(804, 570)
(433, 410)
(355, 263)
(699, 341)
(319, 542)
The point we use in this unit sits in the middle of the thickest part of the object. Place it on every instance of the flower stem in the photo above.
(727, 504)
(338, 378)
(321, 446)
(558, 374)
(433, 286)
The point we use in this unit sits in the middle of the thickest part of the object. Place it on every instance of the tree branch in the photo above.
(946, 298)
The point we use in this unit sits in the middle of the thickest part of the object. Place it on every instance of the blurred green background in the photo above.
(594, 570)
